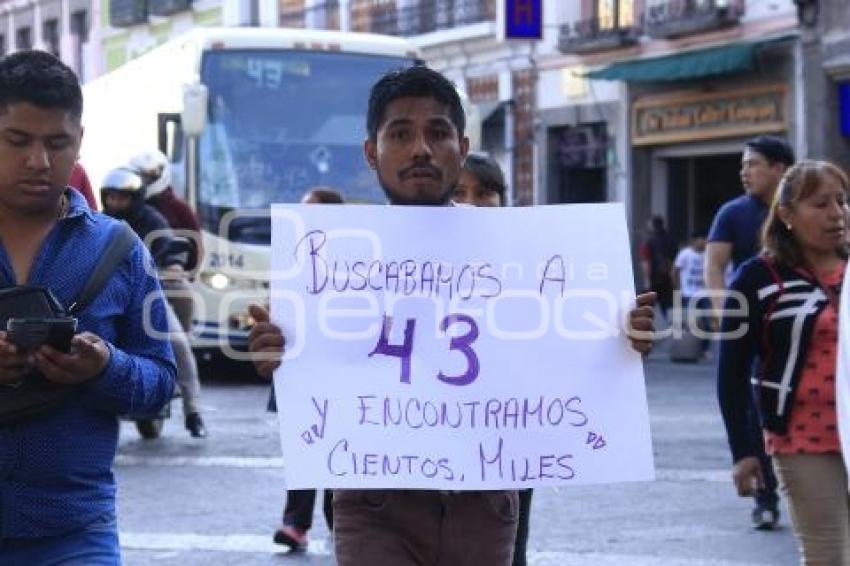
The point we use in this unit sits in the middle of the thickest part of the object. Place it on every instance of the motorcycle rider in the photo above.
(122, 196)
(154, 169)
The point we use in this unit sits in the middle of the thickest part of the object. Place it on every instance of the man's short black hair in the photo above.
(773, 148)
(416, 81)
(41, 79)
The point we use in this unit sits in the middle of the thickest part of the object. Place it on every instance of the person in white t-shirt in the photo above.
(688, 279)
(688, 268)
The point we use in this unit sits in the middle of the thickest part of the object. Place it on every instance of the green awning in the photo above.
(689, 65)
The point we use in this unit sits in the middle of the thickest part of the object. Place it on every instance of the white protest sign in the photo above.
(456, 347)
(842, 370)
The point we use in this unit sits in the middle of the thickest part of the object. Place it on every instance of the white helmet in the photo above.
(153, 167)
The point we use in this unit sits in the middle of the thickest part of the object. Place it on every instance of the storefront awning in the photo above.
(730, 58)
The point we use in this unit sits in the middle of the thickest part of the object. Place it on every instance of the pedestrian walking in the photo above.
(416, 145)
(57, 486)
(123, 197)
(734, 237)
(657, 253)
(155, 171)
(792, 291)
(689, 283)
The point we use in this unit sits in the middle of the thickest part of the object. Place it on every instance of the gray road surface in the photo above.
(187, 502)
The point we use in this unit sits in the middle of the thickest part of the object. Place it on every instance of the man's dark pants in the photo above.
(298, 512)
(424, 527)
(522, 527)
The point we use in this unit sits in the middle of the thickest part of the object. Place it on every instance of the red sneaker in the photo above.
(294, 538)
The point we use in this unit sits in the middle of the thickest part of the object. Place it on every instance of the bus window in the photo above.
(281, 122)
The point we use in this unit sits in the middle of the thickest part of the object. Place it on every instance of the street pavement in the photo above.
(216, 501)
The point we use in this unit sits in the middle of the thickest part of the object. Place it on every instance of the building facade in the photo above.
(131, 28)
(672, 89)
(642, 101)
(647, 102)
(464, 40)
(825, 49)
(63, 27)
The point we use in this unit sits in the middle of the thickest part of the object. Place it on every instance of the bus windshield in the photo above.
(282, 122)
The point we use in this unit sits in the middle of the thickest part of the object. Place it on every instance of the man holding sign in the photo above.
(416, 144)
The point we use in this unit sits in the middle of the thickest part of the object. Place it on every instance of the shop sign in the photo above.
(694, 116)
(523, 19)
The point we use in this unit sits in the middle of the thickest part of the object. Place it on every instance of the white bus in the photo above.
(272, 113)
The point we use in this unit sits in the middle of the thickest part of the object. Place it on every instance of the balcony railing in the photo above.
(125, 13)
(429, 15)
(682, 17)
(322, 16)
(588, 36)
(168, 7)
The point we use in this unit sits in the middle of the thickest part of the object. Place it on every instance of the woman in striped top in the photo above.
(790, 331)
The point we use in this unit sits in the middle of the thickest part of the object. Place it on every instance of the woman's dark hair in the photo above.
(416, 81)
(41, 79)
(800, 182)
(489, 174)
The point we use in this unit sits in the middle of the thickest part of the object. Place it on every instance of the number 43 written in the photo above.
(461, 344)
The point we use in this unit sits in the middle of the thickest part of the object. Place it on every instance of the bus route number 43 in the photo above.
(462, 344)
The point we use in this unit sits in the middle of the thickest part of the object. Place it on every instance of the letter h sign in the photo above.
(523, 19)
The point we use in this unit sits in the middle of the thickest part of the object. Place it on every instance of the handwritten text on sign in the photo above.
(456, 348)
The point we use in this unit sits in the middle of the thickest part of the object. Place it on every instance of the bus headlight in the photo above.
(218, 281)
(222, 282)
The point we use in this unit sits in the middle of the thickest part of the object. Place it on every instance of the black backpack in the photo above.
(35, 395)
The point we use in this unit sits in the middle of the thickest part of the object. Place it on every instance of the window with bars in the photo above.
(126, 13)
(675, 18)
(415, 17)
(612, 14)
(604, 24)
(168, 7)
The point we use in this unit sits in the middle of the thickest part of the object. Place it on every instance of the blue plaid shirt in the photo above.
(56, 470)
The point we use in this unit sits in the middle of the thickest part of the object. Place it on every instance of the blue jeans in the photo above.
(96, 545)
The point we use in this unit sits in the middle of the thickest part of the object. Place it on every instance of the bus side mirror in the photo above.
(194, 115)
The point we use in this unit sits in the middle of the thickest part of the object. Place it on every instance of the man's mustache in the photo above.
(419, 169)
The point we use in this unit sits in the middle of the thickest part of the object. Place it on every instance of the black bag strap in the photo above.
(122, 239)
